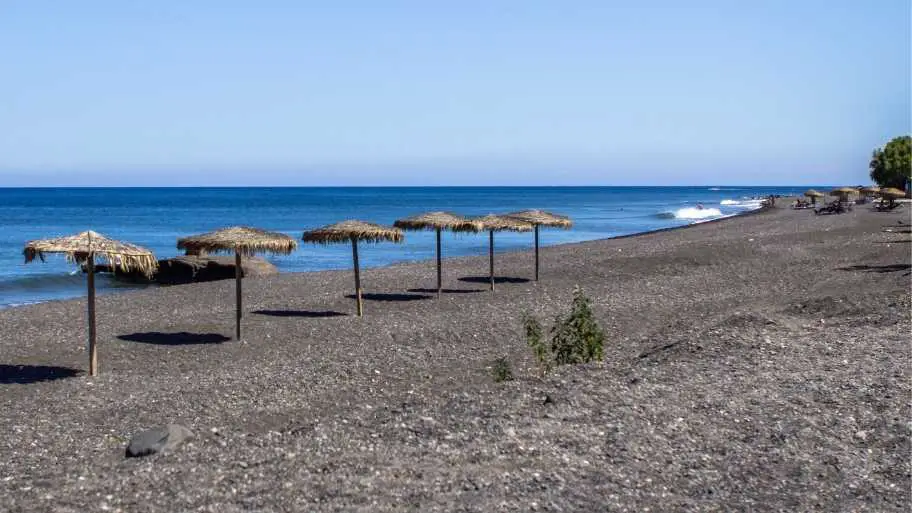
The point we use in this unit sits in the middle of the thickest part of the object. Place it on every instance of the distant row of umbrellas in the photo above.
(843, 193)
(85, 247)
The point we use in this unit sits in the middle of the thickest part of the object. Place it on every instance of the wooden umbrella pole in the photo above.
(536, 252)
(491, 256)
(357, 276)
(237, 278)
(439, 266)
(93, 353)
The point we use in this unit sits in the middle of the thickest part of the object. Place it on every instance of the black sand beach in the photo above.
(760, 363)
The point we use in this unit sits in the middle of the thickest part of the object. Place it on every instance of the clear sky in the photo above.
(487, 92)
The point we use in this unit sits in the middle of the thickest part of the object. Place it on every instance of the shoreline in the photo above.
(132, 289)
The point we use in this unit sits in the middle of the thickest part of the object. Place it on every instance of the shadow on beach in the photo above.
(300, 313)
(25, 374)
(375, 296)
(890, 268)
(497, 279)
(446, 291)
(174, 339)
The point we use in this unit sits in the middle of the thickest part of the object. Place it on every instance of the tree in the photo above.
(892, 165)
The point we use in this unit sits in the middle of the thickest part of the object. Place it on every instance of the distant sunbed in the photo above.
(835, 207)
(885, 206)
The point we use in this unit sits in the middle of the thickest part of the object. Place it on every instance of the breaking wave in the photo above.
(691, 213)
(749, 203)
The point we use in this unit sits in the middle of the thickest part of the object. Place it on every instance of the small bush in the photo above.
(533, 330)
(502, 370)
(575, 338)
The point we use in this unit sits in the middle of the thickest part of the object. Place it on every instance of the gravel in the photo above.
(760, 363)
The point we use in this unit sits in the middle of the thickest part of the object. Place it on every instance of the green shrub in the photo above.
(575, 338)
(502, 370)
(533, 331)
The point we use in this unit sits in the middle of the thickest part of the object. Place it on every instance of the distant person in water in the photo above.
(699, 206)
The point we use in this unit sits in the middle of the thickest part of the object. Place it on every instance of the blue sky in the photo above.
(221, 92)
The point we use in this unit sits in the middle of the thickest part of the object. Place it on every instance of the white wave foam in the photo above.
(691, 213)
(21, 303)
(749, 204)
(697, 213)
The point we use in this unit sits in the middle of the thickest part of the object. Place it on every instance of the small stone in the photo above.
(156, 440)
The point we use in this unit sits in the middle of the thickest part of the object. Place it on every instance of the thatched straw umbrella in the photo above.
(82, 249)
(493, 223)
(843, 192)
(870, 190)
(354, 231)
(892, 194)
(541, 218)
(241, 240)
(811, 193)
(438, 221)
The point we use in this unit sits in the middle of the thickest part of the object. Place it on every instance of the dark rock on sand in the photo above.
(193, 268)
(190, 269)
(157, 440)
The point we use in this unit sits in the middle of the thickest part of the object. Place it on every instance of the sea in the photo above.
(156, 217)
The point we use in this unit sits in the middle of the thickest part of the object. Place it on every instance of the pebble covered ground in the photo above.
(760, 363)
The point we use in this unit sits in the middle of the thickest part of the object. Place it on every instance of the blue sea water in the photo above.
(156, 217)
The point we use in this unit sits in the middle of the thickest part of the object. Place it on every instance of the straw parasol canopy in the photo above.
(844, 191)
(241, 240)
(77, 248)
(354, 231)
(541, 218)
(892, 192)
(83, 249)
(493, 223)
(244, 240)
(869, 190)
(498, 223)
(438, 221)
(814, 194)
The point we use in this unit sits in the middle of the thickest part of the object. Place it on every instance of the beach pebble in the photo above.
(157, 439)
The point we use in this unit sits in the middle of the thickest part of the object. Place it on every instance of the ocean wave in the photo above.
(725, 189)
(19, 303)
(691, 213)
(747, 203)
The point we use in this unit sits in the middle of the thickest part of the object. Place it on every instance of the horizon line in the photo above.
(710, 185)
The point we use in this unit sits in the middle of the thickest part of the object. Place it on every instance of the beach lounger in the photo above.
(884, 206)
(835, 207)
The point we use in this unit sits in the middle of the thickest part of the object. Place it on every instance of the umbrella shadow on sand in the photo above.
(26, 374)
(379, 296)
(890, 268)
(182, 338)
(301, 313)
(497, 279)
(446, 291)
